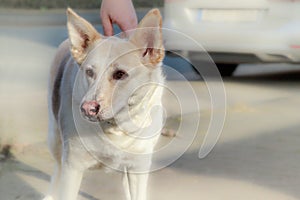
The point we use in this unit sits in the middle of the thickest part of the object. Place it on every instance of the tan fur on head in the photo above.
(148, 37)
(81, 34)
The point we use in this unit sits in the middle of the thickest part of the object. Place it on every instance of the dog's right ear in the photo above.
(81, 35)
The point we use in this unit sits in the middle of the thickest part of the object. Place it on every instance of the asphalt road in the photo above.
(256, 157)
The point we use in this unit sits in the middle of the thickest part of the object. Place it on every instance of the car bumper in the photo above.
(251, 41)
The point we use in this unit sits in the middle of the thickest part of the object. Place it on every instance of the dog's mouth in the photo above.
(90, 118)
(100, 120)
(98, 117)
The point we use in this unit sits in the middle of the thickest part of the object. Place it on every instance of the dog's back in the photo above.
(56, 73)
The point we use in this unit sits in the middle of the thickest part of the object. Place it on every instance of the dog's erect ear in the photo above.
(148, 38)
(81, 35)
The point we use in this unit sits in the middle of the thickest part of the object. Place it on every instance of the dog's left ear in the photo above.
(81, 35)
(148, 38)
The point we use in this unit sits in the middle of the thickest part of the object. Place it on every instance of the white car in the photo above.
(236, 31)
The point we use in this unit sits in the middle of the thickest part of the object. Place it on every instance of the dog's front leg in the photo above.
(52, 194)
(135, 185)
(69, 183)
(126, 184)
(138, 185)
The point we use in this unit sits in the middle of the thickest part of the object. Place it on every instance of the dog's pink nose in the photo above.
(90, 108)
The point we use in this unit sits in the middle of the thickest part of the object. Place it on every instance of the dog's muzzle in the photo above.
(90, 109)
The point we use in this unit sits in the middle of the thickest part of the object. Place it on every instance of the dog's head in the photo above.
(111, 68)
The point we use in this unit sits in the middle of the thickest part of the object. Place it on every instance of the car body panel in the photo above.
(267, 29)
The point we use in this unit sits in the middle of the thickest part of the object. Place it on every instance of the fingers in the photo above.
(125, 31)
(120, 12)
(129, 21)
(127, 25)
(107, 25)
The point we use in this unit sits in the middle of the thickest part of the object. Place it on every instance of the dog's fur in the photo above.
(84, 71)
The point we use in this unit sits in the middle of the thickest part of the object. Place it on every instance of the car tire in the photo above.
(226, 69)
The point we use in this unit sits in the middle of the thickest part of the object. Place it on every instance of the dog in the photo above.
(105, 105)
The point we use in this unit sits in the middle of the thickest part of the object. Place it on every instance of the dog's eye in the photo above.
(89, 73)
(119, 75)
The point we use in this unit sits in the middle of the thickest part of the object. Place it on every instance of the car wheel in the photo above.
(226, 69)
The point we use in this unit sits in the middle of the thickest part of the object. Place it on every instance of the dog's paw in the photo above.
(48, 198)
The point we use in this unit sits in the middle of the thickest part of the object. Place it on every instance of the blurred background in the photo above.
(81, 4)
(254, 44)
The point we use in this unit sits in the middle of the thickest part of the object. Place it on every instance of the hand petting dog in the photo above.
(120, 12)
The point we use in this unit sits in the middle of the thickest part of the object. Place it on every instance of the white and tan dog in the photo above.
(112, 83)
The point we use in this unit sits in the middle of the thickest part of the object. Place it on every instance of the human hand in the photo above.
(120, 12)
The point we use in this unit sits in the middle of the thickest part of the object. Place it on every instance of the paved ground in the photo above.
(257, 156)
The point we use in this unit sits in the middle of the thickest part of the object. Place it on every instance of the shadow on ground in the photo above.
(11, 173)
(269, 159)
